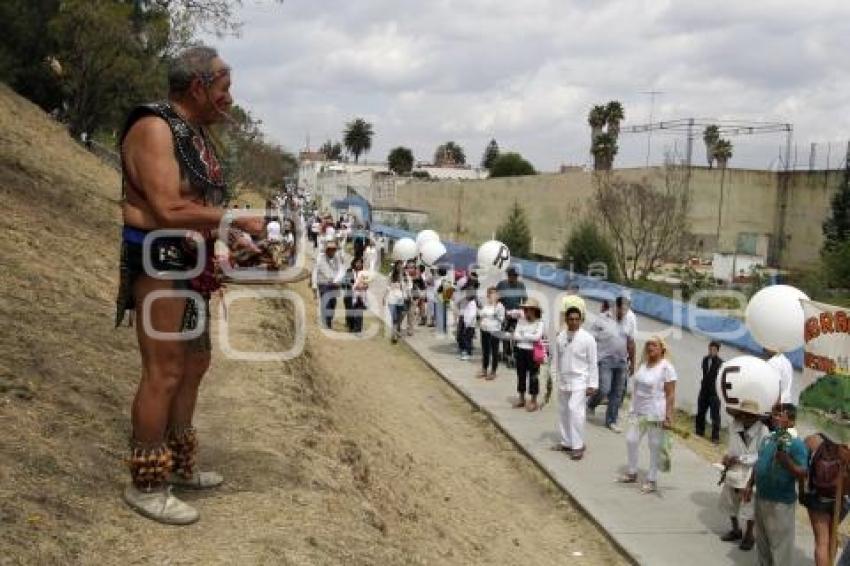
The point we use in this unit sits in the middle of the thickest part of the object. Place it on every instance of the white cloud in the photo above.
(527, 72)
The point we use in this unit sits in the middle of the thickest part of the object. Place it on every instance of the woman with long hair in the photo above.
(653, 389)
(356, 286)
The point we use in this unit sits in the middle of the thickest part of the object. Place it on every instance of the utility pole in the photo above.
(652, 94)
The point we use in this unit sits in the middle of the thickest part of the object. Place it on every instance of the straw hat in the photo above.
(749, 406)
(531, 304)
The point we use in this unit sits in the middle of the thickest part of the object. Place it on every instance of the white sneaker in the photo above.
(199, 480)
(160, 506)
(614, 428)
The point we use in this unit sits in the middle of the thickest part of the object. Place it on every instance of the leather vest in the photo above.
(196, 156)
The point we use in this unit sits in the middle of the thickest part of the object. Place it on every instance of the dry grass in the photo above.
(331, 458)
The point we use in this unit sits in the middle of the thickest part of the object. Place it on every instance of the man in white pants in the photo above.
(574, 367)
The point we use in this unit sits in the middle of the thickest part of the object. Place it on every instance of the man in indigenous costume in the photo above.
(172, 180)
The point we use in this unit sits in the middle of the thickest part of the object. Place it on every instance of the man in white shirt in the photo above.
(329, 274)
(575, 370)
(273, 232)
(746, 432)
(783, 367)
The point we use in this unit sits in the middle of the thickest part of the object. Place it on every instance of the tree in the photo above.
(647, 224)
(514, 232)
(588, 248)
(109, 63)
(711, 135)
(604, 150)
(491, 152)
(449, 154)
(836, 236)
(250, 161)
(25, 46)
(400, 160)
(722, 152)
(836, 262)
(331, 150)
(836, 228)
(614, 114)
(596, 119)
(511, 164)
(357, 137)
(190, 18)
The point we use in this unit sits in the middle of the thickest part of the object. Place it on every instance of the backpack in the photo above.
(828, 463)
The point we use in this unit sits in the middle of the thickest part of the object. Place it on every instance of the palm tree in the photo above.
(711, 135)
(604, 149)
(357, 137)
(722, 153)
(614, 114)
(596, 118)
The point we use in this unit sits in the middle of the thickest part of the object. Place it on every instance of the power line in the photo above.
(652, 94)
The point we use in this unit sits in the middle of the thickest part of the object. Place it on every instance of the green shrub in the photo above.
(586, 246)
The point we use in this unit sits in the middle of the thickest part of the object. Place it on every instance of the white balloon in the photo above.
(426, 236)
(494, 256)
(431, 251)
(775, 317)
(404, 249)
(747, 379)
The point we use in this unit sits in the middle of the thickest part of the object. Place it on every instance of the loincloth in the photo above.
(167, 255)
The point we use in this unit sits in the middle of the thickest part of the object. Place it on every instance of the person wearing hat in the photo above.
(746, 432)
(574, 299)
(329, 274)
(575, 371)
(529, 330)
(512, 294)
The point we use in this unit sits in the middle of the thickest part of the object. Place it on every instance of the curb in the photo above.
(495, 421)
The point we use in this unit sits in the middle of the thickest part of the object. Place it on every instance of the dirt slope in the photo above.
(354, 453)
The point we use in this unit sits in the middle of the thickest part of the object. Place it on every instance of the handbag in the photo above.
(538, 353)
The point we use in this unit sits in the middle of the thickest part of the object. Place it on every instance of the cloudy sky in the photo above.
(526, 72)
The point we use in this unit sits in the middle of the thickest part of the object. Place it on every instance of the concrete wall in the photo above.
(416, 220)
(470, 211)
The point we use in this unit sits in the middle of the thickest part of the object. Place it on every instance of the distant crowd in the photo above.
(767, 467)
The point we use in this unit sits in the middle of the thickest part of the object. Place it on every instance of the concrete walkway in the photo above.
(678, 525)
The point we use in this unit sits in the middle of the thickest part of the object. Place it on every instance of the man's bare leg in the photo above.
(182, 438)
(163, 361)
(163, 364)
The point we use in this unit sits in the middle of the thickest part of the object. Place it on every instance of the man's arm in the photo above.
(795, 460)
(593, 378)
(630, 348)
